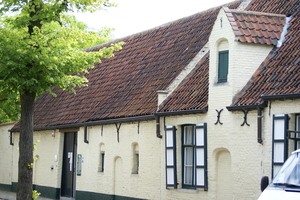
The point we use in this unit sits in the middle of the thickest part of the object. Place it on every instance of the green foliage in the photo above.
(51, 56)
(9, 107)
(50, 7)
(41, 48)
(35, 194)
(34, 145)
(30, 166)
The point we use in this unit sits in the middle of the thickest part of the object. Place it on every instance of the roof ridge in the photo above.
(249, 12)
(96, 47)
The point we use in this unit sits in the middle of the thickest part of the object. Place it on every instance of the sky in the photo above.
(133, 16)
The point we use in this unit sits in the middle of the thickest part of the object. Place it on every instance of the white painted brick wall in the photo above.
(46, 150)
(145, 184)
(6, 151)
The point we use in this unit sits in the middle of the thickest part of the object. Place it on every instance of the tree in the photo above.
(9, 107)
(41, 49)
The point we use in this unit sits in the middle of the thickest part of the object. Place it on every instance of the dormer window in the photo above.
(223, 60)
(223, 66)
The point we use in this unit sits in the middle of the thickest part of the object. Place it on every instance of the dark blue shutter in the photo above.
(171, 171)
(201, 156)
(280, 146)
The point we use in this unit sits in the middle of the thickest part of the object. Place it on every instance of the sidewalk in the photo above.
(5, 195)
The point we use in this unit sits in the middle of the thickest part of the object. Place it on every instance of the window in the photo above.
(101, 158)
(135, 159)
(194, 156)
(280, 143)
(223, 66)
(194, 172)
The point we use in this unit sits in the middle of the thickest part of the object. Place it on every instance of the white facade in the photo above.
(126, 159)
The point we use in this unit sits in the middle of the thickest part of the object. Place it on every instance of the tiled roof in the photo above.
(127, 84)
(192, 94)
(279, 74)
(256, 27)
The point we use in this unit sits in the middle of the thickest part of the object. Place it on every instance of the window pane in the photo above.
(170, 176)
(200, 177)
(279, 152)
(200, 157)
(188, 175)
(188, 135)
(170, 159)
(188, 157)
(200, 137)
(279, 130)
(169, 138)
(188, 165)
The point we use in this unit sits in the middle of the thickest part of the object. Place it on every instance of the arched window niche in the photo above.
(101, 157)
(135, 158)
(223, 60)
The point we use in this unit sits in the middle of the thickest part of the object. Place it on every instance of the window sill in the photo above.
(188, 190)
(221, 83)
(134, 175)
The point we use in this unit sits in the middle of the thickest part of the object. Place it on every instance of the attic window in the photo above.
(223, 66)
(223, 60)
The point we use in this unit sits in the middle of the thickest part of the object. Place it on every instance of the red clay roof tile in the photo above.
(280, 72)
(126, 84)
(251, 25)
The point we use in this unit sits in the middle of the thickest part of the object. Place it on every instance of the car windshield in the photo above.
(289, 175)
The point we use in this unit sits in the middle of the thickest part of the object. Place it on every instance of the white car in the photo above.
(286, 183)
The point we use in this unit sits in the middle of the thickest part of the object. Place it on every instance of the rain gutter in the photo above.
(94, 123)
(259, 116)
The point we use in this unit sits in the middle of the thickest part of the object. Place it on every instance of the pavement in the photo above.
(5, 195)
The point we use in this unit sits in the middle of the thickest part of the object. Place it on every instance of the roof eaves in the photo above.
(94, 123)
(280, 97)
(246, 107)
(182, 112)
(7, 123)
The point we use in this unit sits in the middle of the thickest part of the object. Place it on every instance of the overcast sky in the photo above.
(133, 16)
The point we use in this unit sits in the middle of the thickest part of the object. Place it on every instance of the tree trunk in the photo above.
(26, 147)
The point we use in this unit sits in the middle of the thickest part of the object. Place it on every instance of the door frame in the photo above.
(74, 157)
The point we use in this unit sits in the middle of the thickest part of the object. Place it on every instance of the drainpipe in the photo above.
(157, 119)
(259, 124)
(161, 96)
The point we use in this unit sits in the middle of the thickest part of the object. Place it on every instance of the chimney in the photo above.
(161, 96)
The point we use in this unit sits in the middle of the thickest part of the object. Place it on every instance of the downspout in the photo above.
(161, 96)
(259, 125)
(157, 119)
